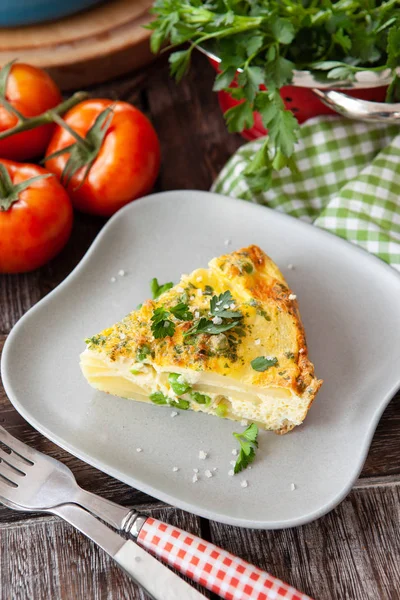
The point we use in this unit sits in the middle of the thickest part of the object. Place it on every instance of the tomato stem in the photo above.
(9, 192)
(84, 151)
(25, 124)
(72, 132)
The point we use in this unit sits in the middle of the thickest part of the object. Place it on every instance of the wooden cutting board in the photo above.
(87, 48)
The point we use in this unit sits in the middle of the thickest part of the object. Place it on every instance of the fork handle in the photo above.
(219, 571)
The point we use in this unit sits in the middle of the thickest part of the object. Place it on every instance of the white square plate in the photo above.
(349, 302)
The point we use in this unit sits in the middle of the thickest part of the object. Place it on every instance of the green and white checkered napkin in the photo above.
(348, 182)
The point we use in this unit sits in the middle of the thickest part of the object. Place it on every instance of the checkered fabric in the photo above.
(222, 573)
(348, 182)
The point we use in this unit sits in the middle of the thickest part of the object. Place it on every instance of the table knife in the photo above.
(157, 580)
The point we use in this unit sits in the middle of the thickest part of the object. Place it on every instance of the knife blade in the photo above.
(157, 580)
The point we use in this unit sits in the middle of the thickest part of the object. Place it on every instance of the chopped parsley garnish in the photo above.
(218, 304)
(226, 318)
(181, 311)
(200, 398)
(208, 290)
(96, 340)
(178, 384)
(158, 398)
(248, 443)
(157, 289)
(161, 325)
(142, 353)
(262, 363)
(262, 313)
(289, 355)
(207, 326)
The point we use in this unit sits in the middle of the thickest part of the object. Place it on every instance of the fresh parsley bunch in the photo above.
(267, 40)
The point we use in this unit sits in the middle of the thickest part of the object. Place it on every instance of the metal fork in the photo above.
(32, 481)
(39, 482)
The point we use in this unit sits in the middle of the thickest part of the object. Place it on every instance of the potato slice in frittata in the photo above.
(227, 340)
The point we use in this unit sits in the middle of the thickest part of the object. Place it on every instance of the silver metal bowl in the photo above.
(353, 108)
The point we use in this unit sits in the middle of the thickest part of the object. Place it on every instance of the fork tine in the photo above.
(17, 446)
(14, 460)
(9, 473)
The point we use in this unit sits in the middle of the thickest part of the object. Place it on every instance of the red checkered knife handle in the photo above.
(217, 570)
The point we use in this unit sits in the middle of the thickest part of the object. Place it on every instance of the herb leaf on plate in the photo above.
(248, 441)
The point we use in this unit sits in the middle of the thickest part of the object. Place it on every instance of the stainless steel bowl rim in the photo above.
(307, 79)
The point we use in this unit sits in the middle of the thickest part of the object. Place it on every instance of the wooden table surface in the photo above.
(351, 553)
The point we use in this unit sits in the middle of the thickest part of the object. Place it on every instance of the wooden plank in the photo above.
(384, 454)
(47, 559)
(353, 552)
(195, 142)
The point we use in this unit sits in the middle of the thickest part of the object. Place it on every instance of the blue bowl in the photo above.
(27, 12)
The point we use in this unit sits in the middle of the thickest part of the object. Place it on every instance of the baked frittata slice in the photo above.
(227, 340)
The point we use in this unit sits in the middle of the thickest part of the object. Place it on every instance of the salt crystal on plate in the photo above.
(202, 455)
(244, 483)
(208, 473)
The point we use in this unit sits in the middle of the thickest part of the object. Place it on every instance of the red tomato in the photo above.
(31, 91)
(37, 225)
(127, 162)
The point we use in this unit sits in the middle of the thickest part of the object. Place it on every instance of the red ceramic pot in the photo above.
(302, 100)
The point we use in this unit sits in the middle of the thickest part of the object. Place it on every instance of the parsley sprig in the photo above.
(267, 40)
(157, 289)
(248, 444)
(161, 324)
(223, 317)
